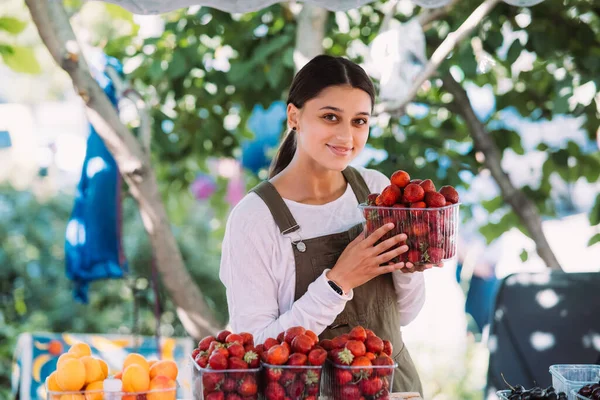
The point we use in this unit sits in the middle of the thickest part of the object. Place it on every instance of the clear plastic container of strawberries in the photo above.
(428, 217)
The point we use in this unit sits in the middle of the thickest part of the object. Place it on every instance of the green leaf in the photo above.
(514, 51)
(594, 239)
(178, 65)
(524, 255)
(22, 59)
(595, 212)
(493, 204)
(12, 25)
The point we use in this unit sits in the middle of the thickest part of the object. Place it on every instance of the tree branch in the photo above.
(55, 30)
(520, 203)
(427, 17)
(310, 34)
(439, 55)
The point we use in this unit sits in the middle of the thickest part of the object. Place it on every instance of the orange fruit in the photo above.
(51, 383)
(72, 396)
(104, 367)
(55, 347)
(94, 391)
(135, 379)
(166, 368)
(80, 349)
(162, 384)
(70, 376)
(135, 358)
(118, 375)
(151, 363)
(64, 357)
(93, 369)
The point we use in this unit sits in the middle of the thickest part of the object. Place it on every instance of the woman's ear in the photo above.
(293, 117)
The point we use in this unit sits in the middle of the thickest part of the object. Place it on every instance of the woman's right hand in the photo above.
(362, 260)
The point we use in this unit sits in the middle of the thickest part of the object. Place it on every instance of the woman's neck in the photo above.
(304, 181)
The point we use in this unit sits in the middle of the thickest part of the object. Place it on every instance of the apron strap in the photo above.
(279, 210)
(357, 183)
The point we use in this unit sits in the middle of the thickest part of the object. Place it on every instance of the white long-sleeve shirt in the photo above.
(259, 272)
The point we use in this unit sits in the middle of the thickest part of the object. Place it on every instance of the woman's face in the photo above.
(333, 127)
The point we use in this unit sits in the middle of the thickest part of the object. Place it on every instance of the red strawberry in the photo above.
(327, 344)
(357, 348)
(371, 386)
(297, 359)
(248, 338)
(312, 390)
(435, 254)
(342, 356)
(278, 355)
(358, 333)
(195, 353)
(419, 229)
(317, 356)
(292, 332)
(374, 344)
(287, 377)
(302, 344)
(212, 381)
(389, 196)
(234, 338)
(340, 341)
(371, 199)
(350, 392)
(370, 333)
(343, 376)
(222, 335)
(434, 200)
(362, 362)
(274, 391)
(236, 350)
(371, 356)
(221, 350)
(414, 256)
(280, 337)
(229, 385)
(413, 193)
(296, 390)
(427, 185)
(216, 396)
(400, 178)
(202, 360)
(418, 204)
(248, 386)
(383, 360)
(204, 343)
(450, 194)
(252, 358)
(312, 335)
(233, 396)
(270, 342)
(213, 346)
(217, 361)
(416, 181)
(388, 348)
(273, 374)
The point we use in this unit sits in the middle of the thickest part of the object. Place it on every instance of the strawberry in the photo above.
(212, 381)
(214, 345)
(204, 343)
(221, 350)
(280, 337)
(358, 333)
(236, 350)
(233, 396)
(222, 335)
(388, 348)
(343, 376)
(302, 344)
(195, 353)
(274, 391)
(327, 344)
(248, 386)
(362, 362)
(287, 377)
(217, 361)
(248, 338)
(312, 390)
(292, 332)
(296, 390)
(234, 338)
(416, 181)
(400, 178)
(389, 196)
(311, 377)
(201, 360)
(297, 359)
(435, 254)
(340, 341)
(383, 360)
(252, 358)
(371, 356)
(418, 204)
(371, 199)
(216, 396)
(312, 335)
(427, 185)
(342, 356)
(414, 256)
(419, 229)
(356, 347)
(287, 346)
(278, 355)
(413, 193)
(270, 342)
(273, 374)
(450, 194)
(374, 344)
(229, 385)
(371, 386)
(317, 356)
(370, 333)
(434, 200)
(350, 392)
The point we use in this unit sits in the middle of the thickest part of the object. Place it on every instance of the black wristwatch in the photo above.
(335, 287)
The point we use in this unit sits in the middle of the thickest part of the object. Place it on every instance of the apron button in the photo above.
(301, 247)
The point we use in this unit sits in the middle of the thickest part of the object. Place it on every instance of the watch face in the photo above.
(336, 288)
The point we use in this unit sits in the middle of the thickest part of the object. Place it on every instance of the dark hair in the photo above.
(318, 74)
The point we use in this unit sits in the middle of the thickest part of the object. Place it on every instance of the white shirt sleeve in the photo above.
(410, 288)
(247, 263)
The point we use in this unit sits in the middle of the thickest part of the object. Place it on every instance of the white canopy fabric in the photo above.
(232, 6)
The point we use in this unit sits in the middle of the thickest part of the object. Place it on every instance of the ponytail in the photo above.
(285, 153)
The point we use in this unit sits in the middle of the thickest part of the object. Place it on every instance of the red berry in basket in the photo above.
(418, 204)
(222, 335)
(229, 385)
(416, 181)
(435, 254)
(371, 386)
(202, 360)
(371, 199)
(214, 345)
(296, 390)
(312, 335)
(212, 380)
(434, 200)
(317, 356)
(248, 338)
(270, 342)
(413, 193)
(278, 355)
(217, 361)
(302, 344)
(374, 344)
(400, 178)
(297, 359)
(195, 353)
(370, 333)
(216, 396)
(356, 347)
(350, 392)
(427, 185)
(292, 332)
(204, 343)
(233, 396)
(327, 344)
(340, 341)
(248, 386)
(236, 350)
(414, 256)
(362, 362)
(287, 377)
(370, 356)
(383, 360)
(419, 229)
(388, 348)
(389, 196)
(274, 391)
(252, 358)
(358, 333)
(342, 356)
(342, 376)
(273, 374)
(281, 336)
(236, 363)
(234, 338)
(450, 194)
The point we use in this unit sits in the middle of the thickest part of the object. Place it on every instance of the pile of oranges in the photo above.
(79, 376)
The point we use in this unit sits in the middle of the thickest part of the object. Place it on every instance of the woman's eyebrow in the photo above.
(341, 111)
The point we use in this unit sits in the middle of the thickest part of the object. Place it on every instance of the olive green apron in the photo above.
(374, 303)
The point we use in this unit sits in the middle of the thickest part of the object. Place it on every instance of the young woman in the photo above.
(293, 252)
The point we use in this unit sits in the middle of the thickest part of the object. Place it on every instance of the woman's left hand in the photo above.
(410, 267)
